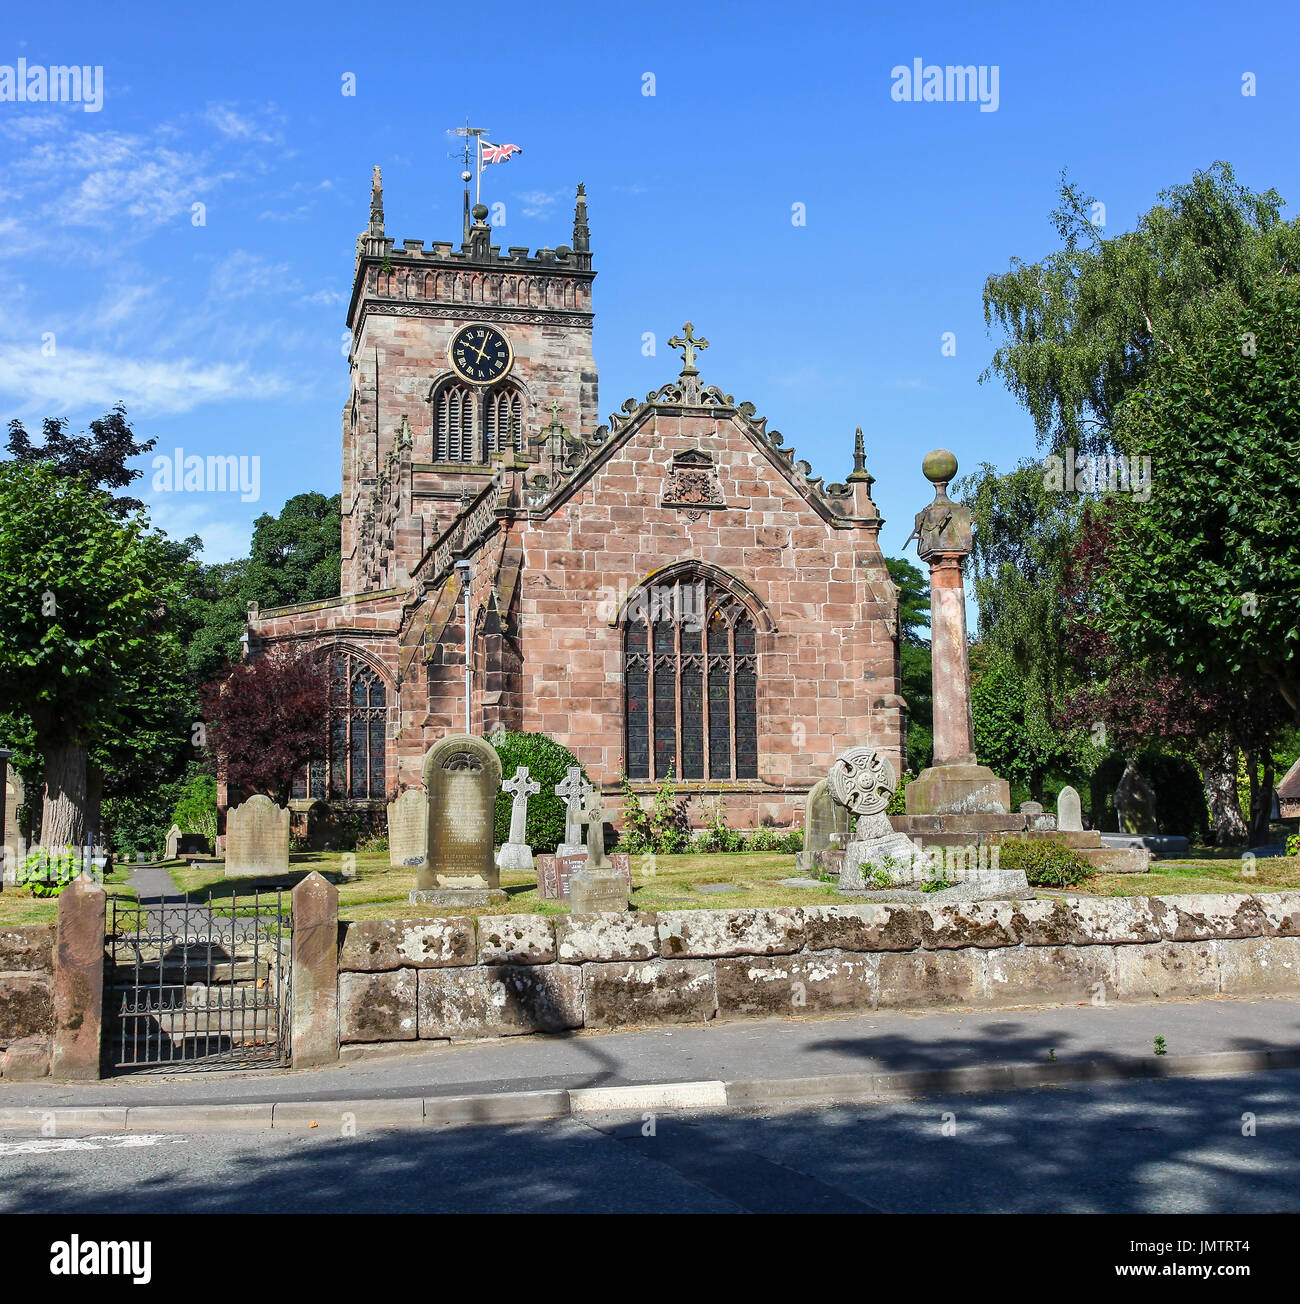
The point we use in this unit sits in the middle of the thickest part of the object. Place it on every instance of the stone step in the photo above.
(150, 975)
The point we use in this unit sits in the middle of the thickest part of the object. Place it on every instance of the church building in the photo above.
(670, 591)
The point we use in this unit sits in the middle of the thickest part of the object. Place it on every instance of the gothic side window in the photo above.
(504, 420)
(358, 711)
(690, 662)
(454, 425)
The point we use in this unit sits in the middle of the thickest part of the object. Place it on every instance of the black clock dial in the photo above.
(481, 354)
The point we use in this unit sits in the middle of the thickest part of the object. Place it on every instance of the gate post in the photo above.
(314, 979)
(79, 981)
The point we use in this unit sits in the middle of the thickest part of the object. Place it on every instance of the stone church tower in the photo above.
(669, 590)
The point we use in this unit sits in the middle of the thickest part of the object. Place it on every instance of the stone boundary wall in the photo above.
(454, 978)
(26, 1000)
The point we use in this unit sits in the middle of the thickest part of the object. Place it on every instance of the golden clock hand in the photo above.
(482, 351)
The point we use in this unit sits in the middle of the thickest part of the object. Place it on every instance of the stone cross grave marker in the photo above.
(572, 790)
(516, 853)
(593, 816)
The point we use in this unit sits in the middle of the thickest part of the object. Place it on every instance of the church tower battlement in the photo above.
(459, 358)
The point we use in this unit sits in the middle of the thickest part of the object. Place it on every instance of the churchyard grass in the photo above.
(671, 883)
(18, 906)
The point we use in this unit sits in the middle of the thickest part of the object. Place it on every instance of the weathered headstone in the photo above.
(1135, 803)
(257, 837)
(515, 852)
(823, 819)
(171, 848)
(1031, 807)
(408, 830)
(572, 790)
(597, 885)
(14, 846)
(1069, 815)
(462, 776)
(555, 873)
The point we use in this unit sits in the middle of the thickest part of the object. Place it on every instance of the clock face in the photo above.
(481, 354)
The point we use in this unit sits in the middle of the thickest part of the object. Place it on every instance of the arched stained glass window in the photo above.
(690, 662)
(358, 716)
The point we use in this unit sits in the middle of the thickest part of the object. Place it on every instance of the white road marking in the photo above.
(47, 1145)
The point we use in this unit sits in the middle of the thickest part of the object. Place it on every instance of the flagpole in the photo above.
(478, 171)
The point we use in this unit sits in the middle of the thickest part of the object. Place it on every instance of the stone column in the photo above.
(954, 741)
(955, 784)
(79, 981)
(315, 952)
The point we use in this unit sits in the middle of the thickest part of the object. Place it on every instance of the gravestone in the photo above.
(597, 885)
(193, 844)
(408, 830)
(515, 852)
(1135, 803)
(572, 790)
(171, 848)
(462, 776)
(1031, 807)
(862, 781)
(1069, 814)
(555, 873)
(257, 837)
(14, 847)
(823, 819)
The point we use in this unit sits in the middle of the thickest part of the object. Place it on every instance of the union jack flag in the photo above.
(498, 153)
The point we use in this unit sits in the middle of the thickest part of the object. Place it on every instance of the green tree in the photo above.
(1084, 325)
(914, 659)
(294, 556)
(89, 648)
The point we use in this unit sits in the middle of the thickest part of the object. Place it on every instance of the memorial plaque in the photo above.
(554, 873)
(462, 776)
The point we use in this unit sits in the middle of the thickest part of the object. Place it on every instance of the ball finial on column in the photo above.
(939, 467)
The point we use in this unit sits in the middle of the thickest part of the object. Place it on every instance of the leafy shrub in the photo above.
(547, 762)
(791, 841)
(670, 826)
(46, 872)
(898, 802)
(637, 834)
(1046, 864)
(373, 842)
(718, 836)
(766, 839)
(1293, 845)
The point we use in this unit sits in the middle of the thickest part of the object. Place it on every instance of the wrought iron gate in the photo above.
(199, 984)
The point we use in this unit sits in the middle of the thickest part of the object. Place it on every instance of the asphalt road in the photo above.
(1172, 1146)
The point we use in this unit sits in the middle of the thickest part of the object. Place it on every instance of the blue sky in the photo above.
(225, 338)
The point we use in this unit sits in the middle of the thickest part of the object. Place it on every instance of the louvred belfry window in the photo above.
(504, 420)
(358, 713)
(690, 662)
(454, 425)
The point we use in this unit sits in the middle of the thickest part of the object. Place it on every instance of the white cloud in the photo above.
(242, 273)
(77, 379)
(234, 125)
(225, 537)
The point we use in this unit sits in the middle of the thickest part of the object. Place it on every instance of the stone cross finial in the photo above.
(555, 407)
(593, 816)
(521, 787)
(572, 790)
(688, 344)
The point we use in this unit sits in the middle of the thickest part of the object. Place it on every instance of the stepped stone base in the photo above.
(958, 790)
(988, 829)
(455, 896)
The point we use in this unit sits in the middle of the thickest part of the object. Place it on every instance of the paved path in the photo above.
(167, 911)
(1227, 1145)
(744, 1051)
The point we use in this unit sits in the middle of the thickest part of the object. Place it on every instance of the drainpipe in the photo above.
(462, 569)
